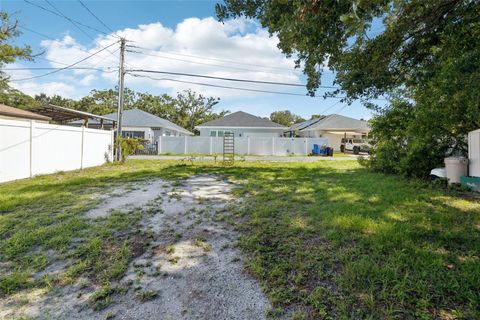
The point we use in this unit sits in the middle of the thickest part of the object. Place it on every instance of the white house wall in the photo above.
(245, 132)
(29, 148)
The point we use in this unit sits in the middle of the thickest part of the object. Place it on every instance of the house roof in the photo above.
(335, 122)
(243, 120)
(20, 113)
(305, 124)
(62, 114)
(140, 118)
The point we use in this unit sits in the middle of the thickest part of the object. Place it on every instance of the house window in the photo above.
(218, 133)
(133, 134)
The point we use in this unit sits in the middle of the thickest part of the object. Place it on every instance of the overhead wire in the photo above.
(224, 78)
(64, 17)
(66, 67)
(205, 63)
(227, 87)
(96, 17)
(213, 59)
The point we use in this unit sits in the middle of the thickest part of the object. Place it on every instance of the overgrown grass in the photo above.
(326, 240)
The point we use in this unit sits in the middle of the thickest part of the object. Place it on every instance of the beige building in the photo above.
(334, 127)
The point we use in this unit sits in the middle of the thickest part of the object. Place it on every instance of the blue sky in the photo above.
(177, 36)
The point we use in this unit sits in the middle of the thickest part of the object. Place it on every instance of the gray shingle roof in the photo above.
(304, 124)
(241, 119)
(140, 118)
(338, 122)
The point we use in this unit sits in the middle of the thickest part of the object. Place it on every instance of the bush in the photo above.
(129, 146)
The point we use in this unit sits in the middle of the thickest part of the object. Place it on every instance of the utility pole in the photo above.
(121, 77)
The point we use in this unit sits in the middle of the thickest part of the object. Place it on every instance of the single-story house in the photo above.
(241, 124)
(140, 124)
(334, 127)
(11, 113)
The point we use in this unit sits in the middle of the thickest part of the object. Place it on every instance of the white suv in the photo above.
(354, 145)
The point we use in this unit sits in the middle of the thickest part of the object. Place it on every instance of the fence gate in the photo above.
(148, 148)
(228, 148)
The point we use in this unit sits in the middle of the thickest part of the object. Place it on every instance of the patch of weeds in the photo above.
(173, 260)
(14, 281)
(109, 316)
(102, 298)
(202, 243)
(146, 295)
(274, 313)
(170, 249)
(178, 235)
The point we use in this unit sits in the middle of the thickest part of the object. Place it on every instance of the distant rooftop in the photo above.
(140, 118)
(243, 120)
(332, 122)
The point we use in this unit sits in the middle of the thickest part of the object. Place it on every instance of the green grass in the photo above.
(325, 240)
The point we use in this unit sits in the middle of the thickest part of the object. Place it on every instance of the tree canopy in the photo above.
(423, 55)
(285, 117)
(10, 53)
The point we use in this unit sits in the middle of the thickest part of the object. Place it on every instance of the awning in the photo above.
(341, 133)
(62, 114)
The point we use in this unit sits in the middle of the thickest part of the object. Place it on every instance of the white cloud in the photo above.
(237, 49)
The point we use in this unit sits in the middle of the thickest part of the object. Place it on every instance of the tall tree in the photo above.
(10, 53)
(285, 117)
(193, 109)
(422, 53)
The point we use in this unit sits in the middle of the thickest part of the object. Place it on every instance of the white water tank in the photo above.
(474, 153)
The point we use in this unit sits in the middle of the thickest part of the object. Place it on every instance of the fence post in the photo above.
(81, 146)
(306, 146)
(293, 145)
(185, 151)
(273, 146)
(159, 149)
(211, 145)
(31, 147)
(248, 145)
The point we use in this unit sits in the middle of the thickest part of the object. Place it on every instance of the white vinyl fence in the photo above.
(29, 148)
(244, 146)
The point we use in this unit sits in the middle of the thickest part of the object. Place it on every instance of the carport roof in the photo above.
(336, 122)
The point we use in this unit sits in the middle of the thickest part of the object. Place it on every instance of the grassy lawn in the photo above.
(325, 240)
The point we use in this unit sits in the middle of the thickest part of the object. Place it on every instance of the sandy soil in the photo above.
(190, 269)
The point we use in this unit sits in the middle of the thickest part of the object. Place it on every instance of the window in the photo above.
(213, 133)
(220, 133)
(133, 134)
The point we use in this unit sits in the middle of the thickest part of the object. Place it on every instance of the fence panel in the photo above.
(172, 145)
(29, 148)
(243, 145)
(200, 145)
(261, 146)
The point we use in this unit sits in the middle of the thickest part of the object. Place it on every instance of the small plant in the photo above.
(102, 298)
(146, 295)
(199, 242)
(129, 146)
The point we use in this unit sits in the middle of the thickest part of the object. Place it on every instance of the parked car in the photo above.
(354, 145)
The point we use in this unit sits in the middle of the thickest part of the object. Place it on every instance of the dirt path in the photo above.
(190, 268)
(192, 263)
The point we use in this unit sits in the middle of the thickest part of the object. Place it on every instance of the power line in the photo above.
(53, 68)
(219, 86)
(225, 79)
(214, 59)
(67, 67)
(203, 63)
(96, 17)
(70, 20)
(64, 17)
(53, 39)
